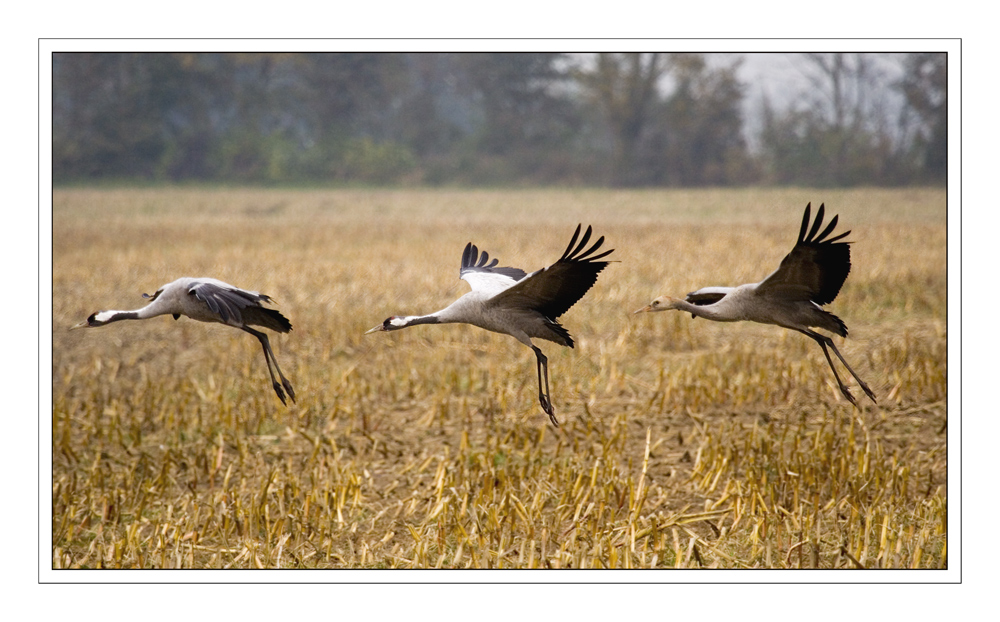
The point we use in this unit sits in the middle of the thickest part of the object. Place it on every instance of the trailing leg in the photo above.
(861, 382)
(825, 341)
(277, 368)
(270, 360)
(543, 389)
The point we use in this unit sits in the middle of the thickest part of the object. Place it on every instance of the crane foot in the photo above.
(547, 407)
(281, 394)
(288, 388)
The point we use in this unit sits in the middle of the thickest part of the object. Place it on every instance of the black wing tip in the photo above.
(813, 236)
(469, 255)
(576, 234)
(575, 255)
(475, 261)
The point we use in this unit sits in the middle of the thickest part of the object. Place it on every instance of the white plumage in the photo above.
(211, 300)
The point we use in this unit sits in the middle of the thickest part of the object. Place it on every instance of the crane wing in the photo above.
(226, 301)
(708, 295)
(816, 267)
(485, 276)
(553, 290)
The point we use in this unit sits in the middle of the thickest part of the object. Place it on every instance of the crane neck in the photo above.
(711, 312)
(112, 315)
(160, 306)
(412, 320)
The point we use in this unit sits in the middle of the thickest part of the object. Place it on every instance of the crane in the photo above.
(809, 277)
(210, 300)
(524, 306)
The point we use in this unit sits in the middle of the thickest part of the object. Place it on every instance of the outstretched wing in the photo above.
(484, 275)
(553, 290)
(816, 268)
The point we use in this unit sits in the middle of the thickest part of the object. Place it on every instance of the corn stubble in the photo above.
(685, 444)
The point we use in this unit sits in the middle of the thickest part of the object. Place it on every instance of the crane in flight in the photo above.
(210, 300)
(524, 306)
(792, 296)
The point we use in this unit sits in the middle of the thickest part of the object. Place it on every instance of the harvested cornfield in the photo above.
(684, 443)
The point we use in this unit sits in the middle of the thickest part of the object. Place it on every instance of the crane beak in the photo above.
(643, 310)
(83, 324)
(376, 329)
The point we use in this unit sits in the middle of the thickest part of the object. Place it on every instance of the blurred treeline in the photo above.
(495, 119)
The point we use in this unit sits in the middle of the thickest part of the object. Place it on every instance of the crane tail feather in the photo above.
(267, 318)
(833, 323)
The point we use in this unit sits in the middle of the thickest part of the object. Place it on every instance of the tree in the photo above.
(515, 95)
(925, 86)
(108, 112)
(840, 131)
(699, 127)
(525, 121)
(624, 88)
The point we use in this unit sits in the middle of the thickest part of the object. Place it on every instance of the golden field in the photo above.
(684, 443)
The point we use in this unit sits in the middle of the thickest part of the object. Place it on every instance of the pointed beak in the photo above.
(375, 329)
(643, 310)
(83, 324)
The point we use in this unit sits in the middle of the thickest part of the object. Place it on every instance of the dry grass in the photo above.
(684, 443)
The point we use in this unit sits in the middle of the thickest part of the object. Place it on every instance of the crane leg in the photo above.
(864, 387)
(270, 359)
(543, 389)
(825, 341)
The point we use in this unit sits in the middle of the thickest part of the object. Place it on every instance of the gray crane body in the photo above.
(210, 300)
(792, 296)
(525, 306)
(746, 303)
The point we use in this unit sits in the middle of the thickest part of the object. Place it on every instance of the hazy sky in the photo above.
(784, 79)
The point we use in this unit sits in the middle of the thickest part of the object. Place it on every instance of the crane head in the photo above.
(663, 303)
(390, 323)
(90, 322)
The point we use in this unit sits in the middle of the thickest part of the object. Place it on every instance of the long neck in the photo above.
(464, 310)
(468, 309)
(112, 315)
(412, 320)
(153, 309)
(711, 312)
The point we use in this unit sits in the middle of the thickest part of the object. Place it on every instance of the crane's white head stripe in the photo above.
(104, 316)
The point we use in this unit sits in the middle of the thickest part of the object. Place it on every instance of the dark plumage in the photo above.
(470, 262)
(816, 268)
